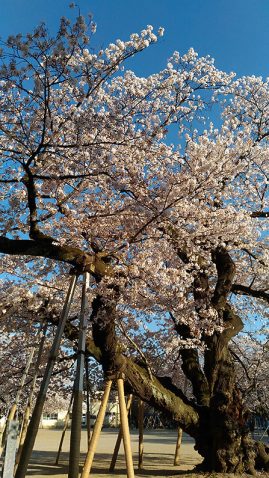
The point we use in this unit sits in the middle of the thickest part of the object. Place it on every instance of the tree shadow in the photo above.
(155, 465)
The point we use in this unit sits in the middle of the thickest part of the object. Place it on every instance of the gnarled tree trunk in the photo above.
(216, 419)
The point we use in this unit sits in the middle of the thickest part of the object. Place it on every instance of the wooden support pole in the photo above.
(141, 408)
(10, 452)
(178, 445)
(24, 376)
(66, 420)
(75, 438)
(125, 430)
(27, 412)
(14, 408)
(10, 418)
(179, 433)
(96, 431)
(38, 362)
(119, 438)
(88, 414)
(24, 426)
(37, 412)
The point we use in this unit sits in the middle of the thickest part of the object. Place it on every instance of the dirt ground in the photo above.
(159, 449)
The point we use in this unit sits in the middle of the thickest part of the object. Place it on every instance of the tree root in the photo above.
(262, 456)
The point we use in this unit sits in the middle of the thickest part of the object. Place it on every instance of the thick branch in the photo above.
(151, 391)
(245, 290)
(260, 214)
(233, 325)
(218, 365)
(154, 393)
(226, 270)
(81, 260)
(29, 183)
(104, 334)
(191, 366)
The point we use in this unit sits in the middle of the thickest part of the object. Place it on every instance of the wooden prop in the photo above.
(10, 418)
(37, 412)
(25, 373)
(88, 415)
(178, 445)
(125, 430)
(78, 389)
(26, 415)
(9, 460)
(141, 408)
(14, 409)
(96, 431)
(66, 420)
(124, 427)
(37, 363)
(179, 433)
(24, 426)
(119, 438)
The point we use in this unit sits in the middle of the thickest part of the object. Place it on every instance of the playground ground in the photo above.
(159, 449)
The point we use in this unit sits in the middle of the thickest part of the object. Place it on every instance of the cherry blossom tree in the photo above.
(127, 178)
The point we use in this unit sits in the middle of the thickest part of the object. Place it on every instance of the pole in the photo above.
(88, 416)
(10, 418)
(125, 430)
(24, 426)
(78, 388)
(37, 412)
(27, 411)
(96, 431)
(37, 364)
(119, 438)
(141, 407)
(66, 420)
(25, 373)
(9, 461)
(179, 433)
(178, 445)
(14, 408)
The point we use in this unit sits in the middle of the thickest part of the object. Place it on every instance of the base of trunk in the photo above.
(248, 459)
(229, 448)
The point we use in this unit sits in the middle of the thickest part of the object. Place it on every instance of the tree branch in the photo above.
(191, 366)
(260, 214)
(29, 183)
(81, 260)
(226, 270)
(245, 290)
(152, 391)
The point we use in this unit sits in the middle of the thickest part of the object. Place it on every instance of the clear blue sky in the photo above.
(234, 32)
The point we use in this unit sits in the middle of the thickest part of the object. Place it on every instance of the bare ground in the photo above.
(159, 448)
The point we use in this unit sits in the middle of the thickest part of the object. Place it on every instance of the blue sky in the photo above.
(234, 32)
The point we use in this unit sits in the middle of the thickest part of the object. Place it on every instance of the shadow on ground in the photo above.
(164, 437)
(155, 465)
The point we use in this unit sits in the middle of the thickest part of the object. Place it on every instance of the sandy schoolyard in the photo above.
(159, 449)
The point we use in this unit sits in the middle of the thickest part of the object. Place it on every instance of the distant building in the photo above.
(56, 418)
